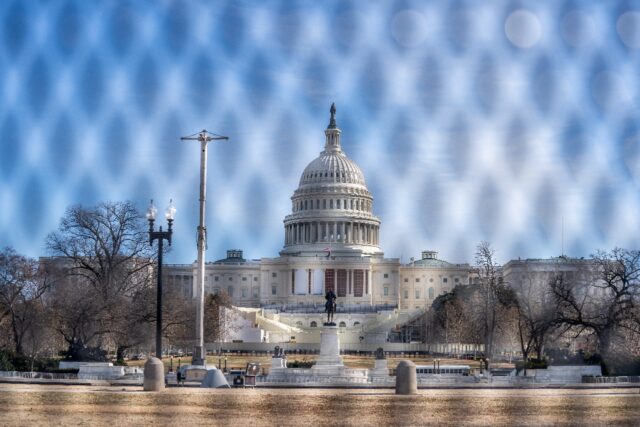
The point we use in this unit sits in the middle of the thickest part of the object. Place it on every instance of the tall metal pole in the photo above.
(199, 355)
(159, 302)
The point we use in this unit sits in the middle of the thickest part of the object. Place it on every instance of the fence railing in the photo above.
(319, 308)
(611, 380)
(59, 376)
(43, 375)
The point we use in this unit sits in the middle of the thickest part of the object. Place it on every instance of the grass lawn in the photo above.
(44, 405)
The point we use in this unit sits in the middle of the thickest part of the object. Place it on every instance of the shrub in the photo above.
(6, 361)
(537, 364)
(304, 363)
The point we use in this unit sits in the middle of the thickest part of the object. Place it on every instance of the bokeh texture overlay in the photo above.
(515, 122)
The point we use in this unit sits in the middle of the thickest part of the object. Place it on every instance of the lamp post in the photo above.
(204, 137)
(160, 236)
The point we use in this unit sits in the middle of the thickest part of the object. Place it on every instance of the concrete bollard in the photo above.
(153, 375)
(406, 380)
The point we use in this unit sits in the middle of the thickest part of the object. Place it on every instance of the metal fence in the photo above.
(42, 375)
(611, 380)
(319, 308)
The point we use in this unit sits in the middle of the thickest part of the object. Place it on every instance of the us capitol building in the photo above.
(331, 241)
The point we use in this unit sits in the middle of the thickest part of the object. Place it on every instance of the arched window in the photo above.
(331, 204)
(431, 293)
(324, 203)
(342, 325)
(356, 323)
(299, 324)
(314, 324)
(338, 204)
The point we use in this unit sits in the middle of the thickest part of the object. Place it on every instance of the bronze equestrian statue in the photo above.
(330, 305)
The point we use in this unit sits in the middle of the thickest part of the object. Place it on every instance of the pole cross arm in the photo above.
(204, 136)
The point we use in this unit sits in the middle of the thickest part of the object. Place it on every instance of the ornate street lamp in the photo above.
(160, 236)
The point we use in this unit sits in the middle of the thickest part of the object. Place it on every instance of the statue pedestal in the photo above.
(278, 362)
(329, 369)
(329, 347)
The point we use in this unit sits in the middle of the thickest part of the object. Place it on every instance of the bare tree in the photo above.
(180, 317)
(218, 322)
(602, 300)
(451, 317)
(490, 286)
(21, 289)
(535, 311)
(107, 265)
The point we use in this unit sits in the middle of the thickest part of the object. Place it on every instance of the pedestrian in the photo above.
(178, 376)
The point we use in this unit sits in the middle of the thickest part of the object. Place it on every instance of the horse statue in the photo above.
(330, 305)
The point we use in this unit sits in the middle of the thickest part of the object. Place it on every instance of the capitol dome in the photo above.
(331, 168)
(332, 207)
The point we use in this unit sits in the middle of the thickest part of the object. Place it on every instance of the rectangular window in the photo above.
(274, 290)
(444, 280)
(386, 291)
(329, 281)
(456, 280)
(255, 292)
(417, 294)
(341, 280)
(358, 283)
(244, 292)
(244, 279)
(406, 294)
(274, 274)
(293, 281)
(406, 280)
(386, 275)
(215, 278)
(255, 278)
(417, 280)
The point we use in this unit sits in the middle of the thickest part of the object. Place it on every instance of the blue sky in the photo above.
(515, 122)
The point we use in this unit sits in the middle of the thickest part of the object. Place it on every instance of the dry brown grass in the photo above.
(96, 406)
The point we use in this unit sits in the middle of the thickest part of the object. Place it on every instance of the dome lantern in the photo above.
(332, 134)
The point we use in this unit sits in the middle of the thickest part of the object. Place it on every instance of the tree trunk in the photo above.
(17, 337)
(120, 351)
